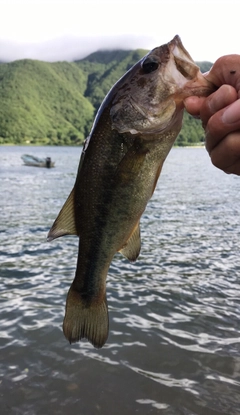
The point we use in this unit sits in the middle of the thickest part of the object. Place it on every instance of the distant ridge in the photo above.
(106, 56)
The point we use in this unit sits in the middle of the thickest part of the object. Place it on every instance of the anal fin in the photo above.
(132, 247)
(65, 222)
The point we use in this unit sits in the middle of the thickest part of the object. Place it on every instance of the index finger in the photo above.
(193, 105)
(220, 99)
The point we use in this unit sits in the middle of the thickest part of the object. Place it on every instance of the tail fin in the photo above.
(86, 319)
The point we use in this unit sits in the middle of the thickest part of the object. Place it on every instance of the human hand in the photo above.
(220, 114)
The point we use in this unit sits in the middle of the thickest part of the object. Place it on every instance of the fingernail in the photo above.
(232, 113)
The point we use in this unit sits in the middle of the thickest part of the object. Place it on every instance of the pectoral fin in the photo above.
(65, 222)
(132, 247)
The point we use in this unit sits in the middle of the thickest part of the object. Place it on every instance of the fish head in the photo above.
(148, 99)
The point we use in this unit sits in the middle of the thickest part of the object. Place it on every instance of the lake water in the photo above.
(174, 342)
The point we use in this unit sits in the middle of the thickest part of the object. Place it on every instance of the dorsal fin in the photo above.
(65, 222)
(132, 247)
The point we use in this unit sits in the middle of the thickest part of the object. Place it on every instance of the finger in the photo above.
(206, 107)
(226, 70)
(193, 105)
(223, 97)
(226, 155)
(221, 124)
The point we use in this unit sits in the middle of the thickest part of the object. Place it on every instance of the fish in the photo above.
(121, 161)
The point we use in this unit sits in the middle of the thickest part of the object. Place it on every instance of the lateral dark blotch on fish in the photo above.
(132, 134)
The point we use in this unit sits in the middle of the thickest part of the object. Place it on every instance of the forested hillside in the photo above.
(55, 103)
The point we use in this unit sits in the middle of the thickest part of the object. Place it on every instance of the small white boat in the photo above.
(36, 161)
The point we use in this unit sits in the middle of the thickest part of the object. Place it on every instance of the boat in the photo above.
(30, 160)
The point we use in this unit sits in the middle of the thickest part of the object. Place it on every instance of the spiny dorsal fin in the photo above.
(132, 247)
(65, 222)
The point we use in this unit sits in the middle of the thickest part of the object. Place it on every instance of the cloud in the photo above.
(70, 48)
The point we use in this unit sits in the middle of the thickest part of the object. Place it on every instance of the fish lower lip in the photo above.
(207, 90)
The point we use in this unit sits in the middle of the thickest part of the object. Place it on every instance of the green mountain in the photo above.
(41, 102)
(55, 103)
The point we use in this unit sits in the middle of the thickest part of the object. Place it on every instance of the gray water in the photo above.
(174, 342)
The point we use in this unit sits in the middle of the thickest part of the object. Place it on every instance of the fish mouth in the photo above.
(176, 46)
(200, 87)
(190, 78)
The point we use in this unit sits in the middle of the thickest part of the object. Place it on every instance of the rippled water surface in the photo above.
(174, 342)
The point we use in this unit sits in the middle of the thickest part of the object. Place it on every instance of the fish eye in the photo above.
(150, 64)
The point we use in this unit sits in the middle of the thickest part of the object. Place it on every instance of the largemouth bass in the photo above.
(121, 161)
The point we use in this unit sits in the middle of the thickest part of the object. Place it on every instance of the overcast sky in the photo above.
(70, 29)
